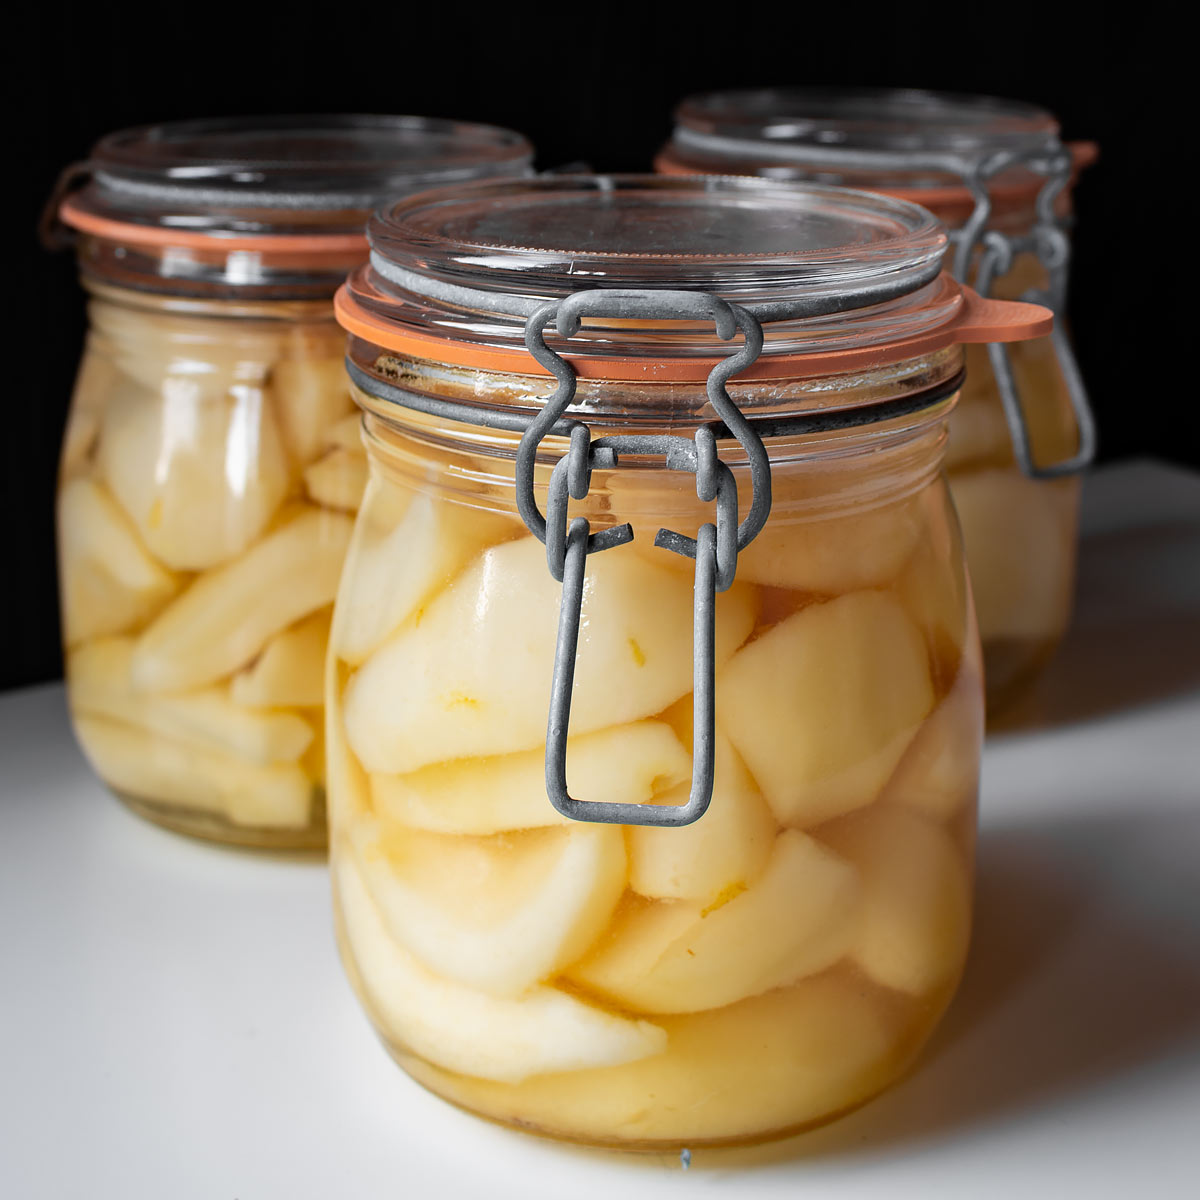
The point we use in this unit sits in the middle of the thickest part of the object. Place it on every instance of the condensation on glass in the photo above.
(984, 166)
(213, 459)
(781, 959)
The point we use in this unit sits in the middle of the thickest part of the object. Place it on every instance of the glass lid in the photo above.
(283, 174)
(472, 262)
(880, 119)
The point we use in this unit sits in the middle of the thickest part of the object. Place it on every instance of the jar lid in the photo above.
(915, 144)
(822, 266)
(279, 176)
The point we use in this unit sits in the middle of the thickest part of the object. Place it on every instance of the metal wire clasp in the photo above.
(1053, 249)
(715, 548)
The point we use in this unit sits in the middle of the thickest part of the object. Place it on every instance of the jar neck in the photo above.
(238, 307)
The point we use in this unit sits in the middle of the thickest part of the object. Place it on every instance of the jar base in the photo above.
(212, 827)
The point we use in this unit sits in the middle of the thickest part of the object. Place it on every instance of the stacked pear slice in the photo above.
(770, 965)
(210, 474)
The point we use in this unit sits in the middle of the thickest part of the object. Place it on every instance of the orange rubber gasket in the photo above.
(322, 244)
(978, 320)
(949, 201)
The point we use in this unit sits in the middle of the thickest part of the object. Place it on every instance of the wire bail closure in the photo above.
(715, 548)
(1050, 245)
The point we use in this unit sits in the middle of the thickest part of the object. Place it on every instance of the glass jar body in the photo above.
(760, 971)
(211, 467)
(1021, 534)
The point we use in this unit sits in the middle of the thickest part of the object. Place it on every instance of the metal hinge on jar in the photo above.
(715, 549)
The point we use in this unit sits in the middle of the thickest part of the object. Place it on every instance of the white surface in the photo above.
(174, 1021)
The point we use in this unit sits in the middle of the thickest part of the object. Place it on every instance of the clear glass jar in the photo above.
(602, 975)
(213, 460)
(981, 165)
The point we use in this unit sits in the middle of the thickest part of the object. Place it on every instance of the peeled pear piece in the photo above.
(627, 764)
(337, 480)
(210, 354)
(347, 790)
(290, 672)
(472, 676)
(309, 396)
(100, 685)
(915, 916)
(345, 434)
(1020, 540)
(200, 475)
(468, 1031)
(822, 706)
(109, 583)
(398, 567)
(830, 554)
(97, 378)
(768, 1064)
(675, 956)
(147, 766)
(939, 772)
(721, 853)
(501, 913)
(228, 615)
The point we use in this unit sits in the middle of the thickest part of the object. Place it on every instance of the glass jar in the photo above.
(676, 851)
(213, 460)
(997, 174)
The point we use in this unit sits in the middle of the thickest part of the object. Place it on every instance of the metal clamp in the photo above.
(1053, 250)
(715, 548)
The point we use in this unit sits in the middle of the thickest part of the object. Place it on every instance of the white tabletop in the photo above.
(174, 1022)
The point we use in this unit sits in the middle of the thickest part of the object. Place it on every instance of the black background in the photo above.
(595, 82)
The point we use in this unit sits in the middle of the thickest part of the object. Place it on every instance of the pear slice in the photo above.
(227, 616)
(499, 914)
(97, 378)
(822, 706)
(830, 554)
(939, 773)
(798, 918)
(398, 567)
(464, 1030)
(309, 396)
(915, 918)
(99, 677)
(1020, 540)
(472, 676)
(199, 475)
(769, 1064)
(345, 434)
(109, 583)
(290, 672)
(720, 854)
(148, 766)
(337, 480)
(627, 764)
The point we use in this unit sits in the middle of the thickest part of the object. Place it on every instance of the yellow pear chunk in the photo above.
(97, 378)
(309, 395)
(347, 790)
(199, 475)
(627, 764)
(725, 850)
(227, 616)
(468, 1031)
(915, 917)
(337, 480)
(768, 1064)
(100, 685)
(148, 766)
(822, 706)
(675, 956)
(832, 554)
(1020, 540)
(472, 676)
(398, 567)
(345, 434)
(499, 914)
(290, 672)
(939, 772)
(109, 583)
